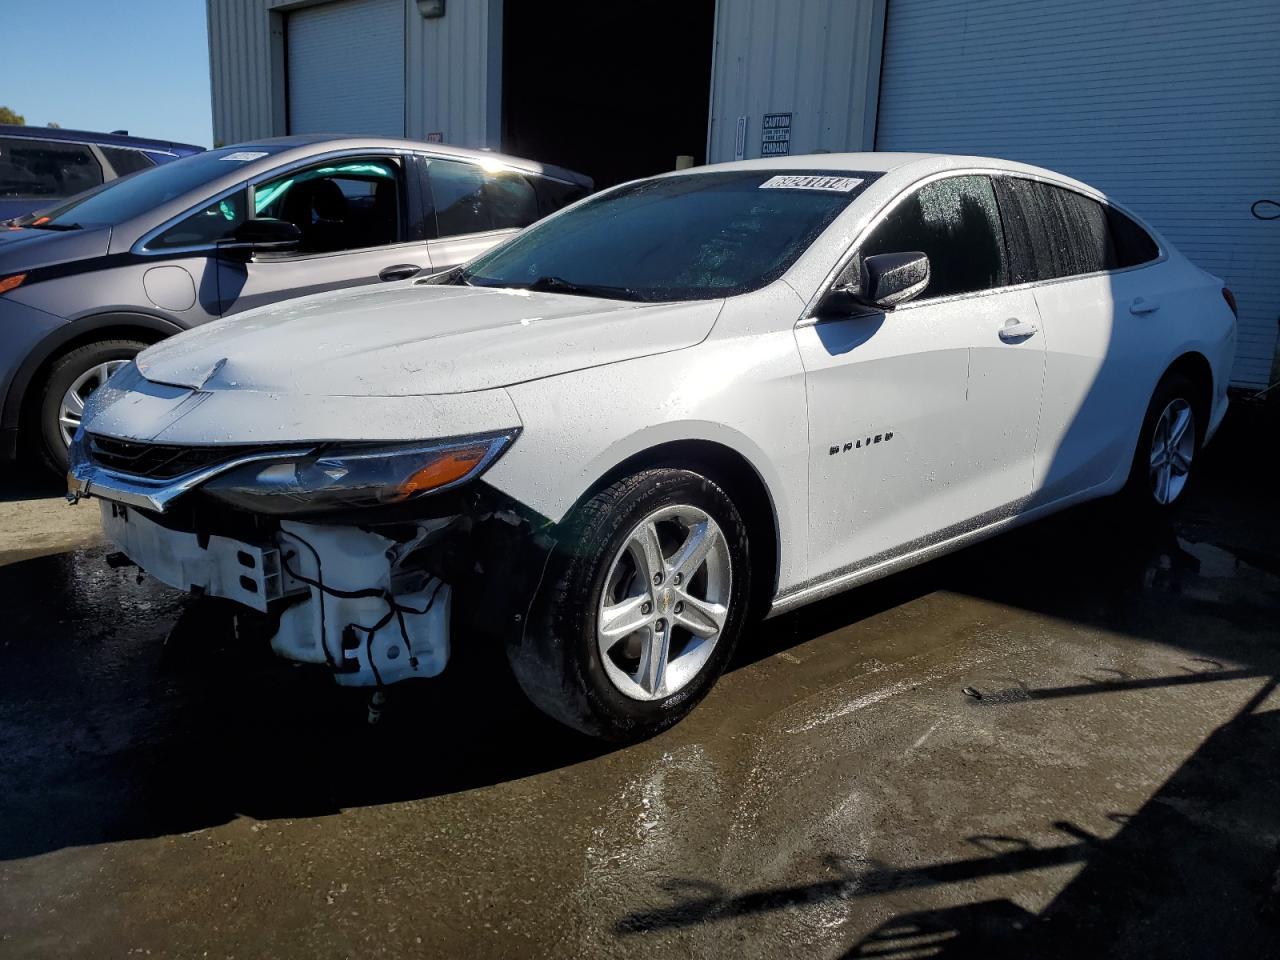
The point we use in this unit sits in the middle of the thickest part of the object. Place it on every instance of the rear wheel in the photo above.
(1168, 447)
(648, 598)
(71, 381)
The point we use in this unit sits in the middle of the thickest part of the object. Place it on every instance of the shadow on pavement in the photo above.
(108, 734)
(1193, 873)
(28, 481)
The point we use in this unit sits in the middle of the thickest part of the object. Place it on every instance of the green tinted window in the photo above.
(347, 205)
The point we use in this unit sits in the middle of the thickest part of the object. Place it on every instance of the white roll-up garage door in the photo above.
(346, 67)
(1168, 105)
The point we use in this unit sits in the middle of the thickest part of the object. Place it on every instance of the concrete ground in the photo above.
(1064, 742)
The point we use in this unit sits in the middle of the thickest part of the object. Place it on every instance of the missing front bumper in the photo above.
(342, 595)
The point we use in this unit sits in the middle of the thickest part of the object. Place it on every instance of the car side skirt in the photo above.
(940, 543)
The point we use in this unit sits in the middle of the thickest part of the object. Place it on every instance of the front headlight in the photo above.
(356, 476)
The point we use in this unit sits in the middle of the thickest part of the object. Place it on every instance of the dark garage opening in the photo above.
(615, 90)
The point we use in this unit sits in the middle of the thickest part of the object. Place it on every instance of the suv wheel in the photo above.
(73, 378)
(641, 608)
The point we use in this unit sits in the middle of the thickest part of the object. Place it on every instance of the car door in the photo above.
(923, 418)
(474, 208)
(361, 221)
(1097, 314)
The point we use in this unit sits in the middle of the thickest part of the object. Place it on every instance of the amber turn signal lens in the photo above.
(448, 466)
(12, 283)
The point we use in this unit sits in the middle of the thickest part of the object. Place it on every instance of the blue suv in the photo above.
(41, 165)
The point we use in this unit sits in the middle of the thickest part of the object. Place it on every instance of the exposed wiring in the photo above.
(394, 607)
(284, 560)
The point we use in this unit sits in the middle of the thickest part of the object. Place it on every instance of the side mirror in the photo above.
(884, 281)
(263, 235)
(888, 279)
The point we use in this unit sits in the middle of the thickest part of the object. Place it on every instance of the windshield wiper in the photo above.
(49, 225)
(551, 284)
(453, 277)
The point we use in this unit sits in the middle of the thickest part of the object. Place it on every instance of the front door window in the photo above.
(347, 204)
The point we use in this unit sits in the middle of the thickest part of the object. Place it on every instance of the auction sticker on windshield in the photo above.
(810, 182)
(244, 156)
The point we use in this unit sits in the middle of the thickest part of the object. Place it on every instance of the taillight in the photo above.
(1230, 297)
(12, 282)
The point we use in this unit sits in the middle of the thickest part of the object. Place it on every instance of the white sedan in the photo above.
(680, 403)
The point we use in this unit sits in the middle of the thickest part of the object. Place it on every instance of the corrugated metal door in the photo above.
(1172, 106)
(346, 68)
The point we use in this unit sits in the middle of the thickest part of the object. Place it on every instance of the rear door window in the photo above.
(40, 169)
(956, 223)
(469, 199)
(1053, 232)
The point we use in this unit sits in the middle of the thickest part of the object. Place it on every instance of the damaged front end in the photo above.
(353, 556)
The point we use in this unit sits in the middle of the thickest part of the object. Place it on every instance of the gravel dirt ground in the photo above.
(1109, 784)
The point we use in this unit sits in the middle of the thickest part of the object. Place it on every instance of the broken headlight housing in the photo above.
(356, 476)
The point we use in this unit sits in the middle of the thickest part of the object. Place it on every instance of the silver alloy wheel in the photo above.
(72, 409)
(1173, 444)
(665, 602)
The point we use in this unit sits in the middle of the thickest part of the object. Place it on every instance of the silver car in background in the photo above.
(88, 285)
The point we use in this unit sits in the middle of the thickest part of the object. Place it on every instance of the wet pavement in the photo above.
(1109, 784)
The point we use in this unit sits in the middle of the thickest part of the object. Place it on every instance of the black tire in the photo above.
(558, 662)
(1138, 493)
(66, 370)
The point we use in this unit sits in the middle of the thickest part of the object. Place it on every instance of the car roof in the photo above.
(331, 141)
(900, 168)
(102, 139)
(842, 162)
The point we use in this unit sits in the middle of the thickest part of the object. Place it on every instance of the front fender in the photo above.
(746, 395)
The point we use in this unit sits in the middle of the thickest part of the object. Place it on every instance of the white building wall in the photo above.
(453, 70)
(818, 60)
(1171, 106)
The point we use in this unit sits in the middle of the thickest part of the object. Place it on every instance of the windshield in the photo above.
(132, 196)
(692, 237)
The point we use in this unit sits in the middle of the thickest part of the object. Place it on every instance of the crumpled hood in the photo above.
(412, 340)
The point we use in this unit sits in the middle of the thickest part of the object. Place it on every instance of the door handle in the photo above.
(1015, 330)
(1142, 305)
(401, 271)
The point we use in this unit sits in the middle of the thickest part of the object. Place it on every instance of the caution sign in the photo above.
(775, 135)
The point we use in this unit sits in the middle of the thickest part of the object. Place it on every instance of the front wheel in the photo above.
(73, 378)
(642, 606)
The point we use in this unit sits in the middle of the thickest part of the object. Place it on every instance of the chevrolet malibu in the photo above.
(611, 441)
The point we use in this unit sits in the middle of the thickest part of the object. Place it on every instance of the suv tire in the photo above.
(83, 369)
